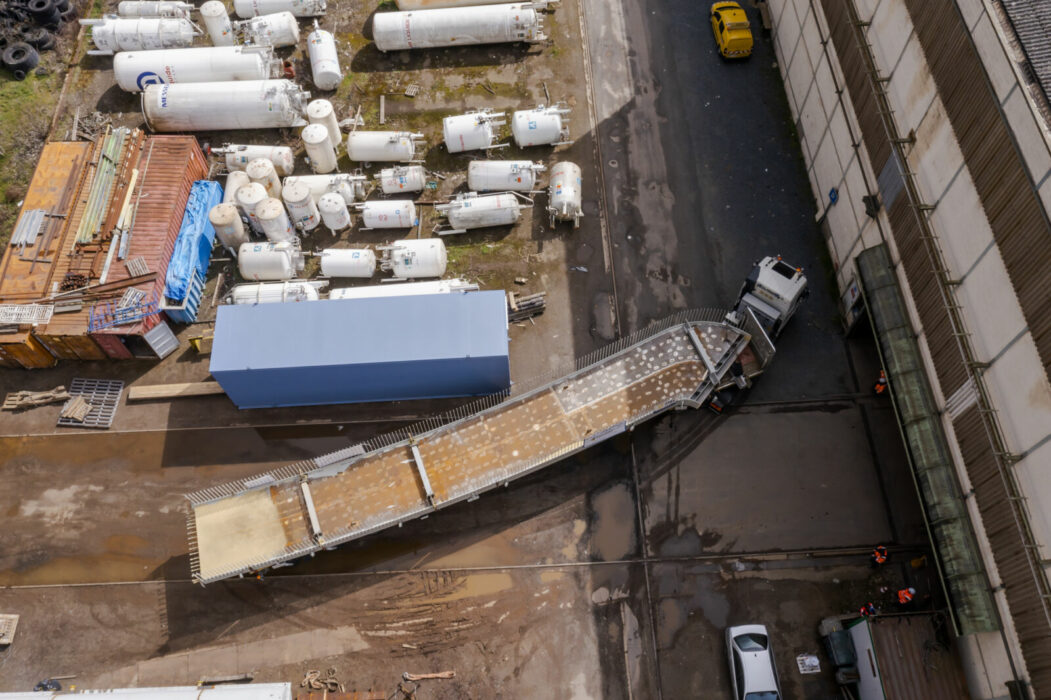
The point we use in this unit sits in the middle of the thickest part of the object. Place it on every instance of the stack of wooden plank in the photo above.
(18, 400)
(523, 306)
(77, 409)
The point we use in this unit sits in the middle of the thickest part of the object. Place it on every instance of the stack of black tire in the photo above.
(28, 27)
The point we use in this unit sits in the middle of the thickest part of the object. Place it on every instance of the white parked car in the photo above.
(752, 669)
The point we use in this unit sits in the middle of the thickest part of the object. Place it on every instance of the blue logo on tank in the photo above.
(148, 78)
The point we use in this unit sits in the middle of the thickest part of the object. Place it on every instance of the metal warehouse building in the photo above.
(358, 350)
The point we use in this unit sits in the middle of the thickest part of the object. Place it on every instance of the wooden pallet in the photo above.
(19, 400)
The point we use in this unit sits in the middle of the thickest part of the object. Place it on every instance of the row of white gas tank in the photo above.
(479, 130)
(414, 258)
(481, 23)
(112, 34)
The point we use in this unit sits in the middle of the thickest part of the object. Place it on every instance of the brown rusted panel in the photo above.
(911, 663)
(112, 346)
(29, 353)
(73, 347)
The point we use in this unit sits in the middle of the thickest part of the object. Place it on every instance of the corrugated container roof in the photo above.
(1031, 20)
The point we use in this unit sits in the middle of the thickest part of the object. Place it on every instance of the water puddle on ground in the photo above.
(613, 523)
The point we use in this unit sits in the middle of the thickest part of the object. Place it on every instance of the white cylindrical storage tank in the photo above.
(154, 8)
(324, 60)
(410, 178)
(470, 210)
(217, 23)
(226, 221)
(543, 126)
(274, 292)
(248, 198)
(301, 207)
(469, 132)
(388, 213)
(334, 212)
(404, 289)
(275, 222)
(438, 4)
(234, 181)
(238, 156)
(243, 104)
(415, 258)
(277, 30)
(564, 193)
(262, 171)
(490, 24)
(348, 262)
(113, 34)
(299, 8)
(319, 148)
(267, 261)
(381, 146)
(502, 175)
(322, 112)
(349, 187)
(134, 70)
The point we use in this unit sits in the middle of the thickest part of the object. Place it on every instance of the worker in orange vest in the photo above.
(881, 383)
(905, 595)
(879, 555)
(868, 610)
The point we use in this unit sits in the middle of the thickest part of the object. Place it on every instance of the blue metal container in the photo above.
(357, 350)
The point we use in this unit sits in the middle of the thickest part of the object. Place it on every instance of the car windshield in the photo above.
(768, 695)
(751, 642)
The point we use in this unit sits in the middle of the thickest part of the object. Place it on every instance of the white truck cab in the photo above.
(773, 291)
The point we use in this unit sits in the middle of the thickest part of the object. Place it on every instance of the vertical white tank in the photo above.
(382, 146)
(415, 258)
(263, 172)
(502, 175)
(472, 131)
(301, 207)
(299, 8)
(113, 34)
(272, 217)
(564, 193)
(248, 198)
(491, 24)
(322, 112)
(242, 104)
(348, 262)
(334, 212)
(349, 187)
(134, 70)
(319, 148)
(324, 60)
(275, 292)
(410, 178)
(217, 23)
(471, 210)
(226, 221)
(388, 213)
(543, 126)
(277, 30)
(239, 155)
(235, 180)
(154, 8)
(268, 261)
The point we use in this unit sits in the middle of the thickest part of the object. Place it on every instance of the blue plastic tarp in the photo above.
(193, 246)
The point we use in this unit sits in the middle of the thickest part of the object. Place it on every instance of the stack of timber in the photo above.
(521, 307)
(18, 400)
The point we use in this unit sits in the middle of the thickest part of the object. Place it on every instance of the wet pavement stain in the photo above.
(613, 523)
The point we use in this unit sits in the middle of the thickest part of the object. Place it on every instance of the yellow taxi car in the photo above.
(733, 35)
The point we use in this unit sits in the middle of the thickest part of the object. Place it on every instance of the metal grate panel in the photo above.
(102, 394)
(19, 314)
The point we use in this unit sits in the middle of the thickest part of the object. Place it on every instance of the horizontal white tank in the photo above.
(154, 8)
(334, 212)
(382, 146)
(239, 155)
(275, 222)
(320, 151)
(322, 112)
(276, 292)
(403, 290)
(243, 104)
(262, 171)
(268, 261)
(324, 60)
(409, 178)
(388, 213)
(299, 8)
(472, 131)
(472, 210)
(415, 258)
(235, 180)
(277, 30)
(248, 198)
(438, 4)
(134, 70)
(302, 210)
(348, 262)
(543, 126)
(502, 175)
(564, 193)
(113, 34)
(226, 220)
(217, 23)
(487, 24)
(349, 187)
